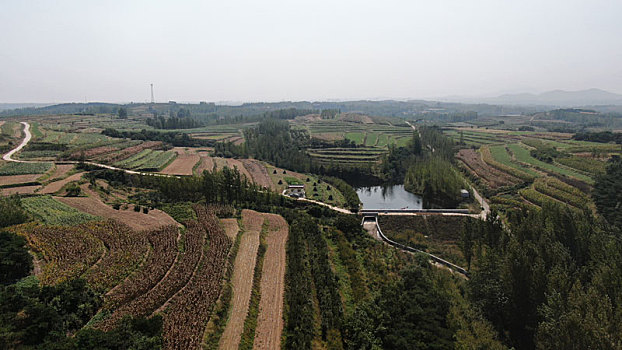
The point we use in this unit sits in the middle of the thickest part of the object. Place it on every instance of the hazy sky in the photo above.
(250, 50)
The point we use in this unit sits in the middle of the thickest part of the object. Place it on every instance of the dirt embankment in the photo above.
(242, 281)
(270, 318)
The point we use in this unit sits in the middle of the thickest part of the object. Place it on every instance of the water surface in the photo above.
(388, 197)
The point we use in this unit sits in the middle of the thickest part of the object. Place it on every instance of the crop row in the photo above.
(189, 310)
(67, 252)
(125, 250)
(129, 151)
(174, 280)
(161, 257)
(522, 155)
(14, 168)
(52, 212)
(561, 191)
(588, 165)
(157, 162)
(490, 160)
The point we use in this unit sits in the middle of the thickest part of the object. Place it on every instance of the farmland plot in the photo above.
(244, 266)
(270, 318)
(188, 311)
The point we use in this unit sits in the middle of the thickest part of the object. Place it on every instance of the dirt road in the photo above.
(24, 142)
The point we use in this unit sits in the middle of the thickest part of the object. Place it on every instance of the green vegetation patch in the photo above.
(52, 212)
(14, 168)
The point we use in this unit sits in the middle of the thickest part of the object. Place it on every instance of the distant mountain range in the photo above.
(558, 98)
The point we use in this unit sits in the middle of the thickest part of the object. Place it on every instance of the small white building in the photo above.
(464, 193)
(296, 191)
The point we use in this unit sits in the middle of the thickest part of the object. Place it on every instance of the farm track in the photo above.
(270, 317)
(242, 285)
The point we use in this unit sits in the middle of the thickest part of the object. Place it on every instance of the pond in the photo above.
(388, 197)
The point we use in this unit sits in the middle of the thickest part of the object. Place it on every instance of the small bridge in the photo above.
(371, 221)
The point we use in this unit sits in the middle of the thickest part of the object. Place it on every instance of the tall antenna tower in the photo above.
(152, 100)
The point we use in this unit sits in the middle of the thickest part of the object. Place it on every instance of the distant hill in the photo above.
(5, 106)
(560, 98)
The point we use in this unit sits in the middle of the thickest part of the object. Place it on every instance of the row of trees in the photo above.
(177, 139)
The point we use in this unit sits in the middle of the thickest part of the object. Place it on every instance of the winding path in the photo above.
(24, 142)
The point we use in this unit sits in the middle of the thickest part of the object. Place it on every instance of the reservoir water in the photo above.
(388, 197)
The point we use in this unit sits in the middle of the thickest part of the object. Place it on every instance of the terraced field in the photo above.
(148, 160)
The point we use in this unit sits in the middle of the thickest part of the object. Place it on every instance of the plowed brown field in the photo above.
(259, 173)
(18, 179)
(61, 170)
(20, 190)
(270, 318)
(183, 164)
(242, 280)
(207, 163)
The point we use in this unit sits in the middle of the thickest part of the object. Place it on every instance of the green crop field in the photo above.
(357, 137)
(157, 161)
(522, 155)
(371, 139)
(15, 168)
(52, 212)
(500, 154)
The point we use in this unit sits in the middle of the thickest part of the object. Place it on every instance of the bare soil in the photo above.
(20, 190)
(231, 227)
(207, 163)
(136, 220)
(18, 179)
(270, 318)
(55, 186)
(494, 178)
(259, 173)
(61, 170)
(182, 165)
(242, 281)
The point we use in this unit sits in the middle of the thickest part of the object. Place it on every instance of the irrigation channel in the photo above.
(370, 216)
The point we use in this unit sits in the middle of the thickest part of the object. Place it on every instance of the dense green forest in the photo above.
(548, 279)
(608, 192)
